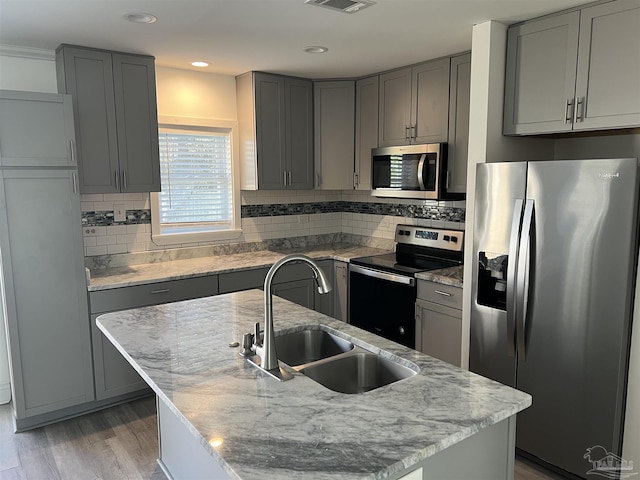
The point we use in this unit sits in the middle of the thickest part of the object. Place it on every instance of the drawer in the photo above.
(152, 294)
(441, 294)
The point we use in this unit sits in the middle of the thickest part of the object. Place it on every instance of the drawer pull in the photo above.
(164, 290)
(444, 294)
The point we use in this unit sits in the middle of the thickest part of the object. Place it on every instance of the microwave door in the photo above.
(422, 172)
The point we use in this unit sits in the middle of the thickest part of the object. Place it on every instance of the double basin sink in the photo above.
(337, 363)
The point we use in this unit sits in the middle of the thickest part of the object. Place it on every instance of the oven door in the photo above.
(383, 303)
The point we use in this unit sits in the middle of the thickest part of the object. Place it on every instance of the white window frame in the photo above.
(160, 237)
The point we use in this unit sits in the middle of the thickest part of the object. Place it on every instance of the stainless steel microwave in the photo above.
(410, 171)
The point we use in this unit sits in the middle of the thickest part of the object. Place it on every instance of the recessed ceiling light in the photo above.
(315, 49)
(200, 64)
(141, 17)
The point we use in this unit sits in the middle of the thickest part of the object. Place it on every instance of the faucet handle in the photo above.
(257, 339)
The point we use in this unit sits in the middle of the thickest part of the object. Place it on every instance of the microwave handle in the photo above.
(422, 164)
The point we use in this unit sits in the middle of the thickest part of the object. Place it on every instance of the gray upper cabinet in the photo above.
(275, 119)
(334, 124)
(114, 104)
(366, 129)
(36, 130)
(574, 71)
(394, 122)
(414, 104)
(608, 77)
(458, 144)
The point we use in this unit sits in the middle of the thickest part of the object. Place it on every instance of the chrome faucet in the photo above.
(267, 351)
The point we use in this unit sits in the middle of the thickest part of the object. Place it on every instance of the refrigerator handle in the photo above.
(522, 279)
(514, 240)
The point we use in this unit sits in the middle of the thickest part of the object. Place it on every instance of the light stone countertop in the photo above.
(127, 276)
(446, 276)
(281, 430)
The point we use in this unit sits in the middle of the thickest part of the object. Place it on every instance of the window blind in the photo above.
(195, 173)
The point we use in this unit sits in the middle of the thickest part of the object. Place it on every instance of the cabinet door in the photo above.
(270, 130)
(607, 89)
(458, 143)
(366, 129)
(430, 102)
(113, 374)
(334, 123)
(137, 121)
(36, 130)
(541, 75)
(395, 108)
(340, 281)
(87, 75)
(300, 292)
(45, 290)
(299, 132)
(439, 331)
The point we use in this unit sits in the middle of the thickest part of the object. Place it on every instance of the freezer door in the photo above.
(500, 188)
(576, 334)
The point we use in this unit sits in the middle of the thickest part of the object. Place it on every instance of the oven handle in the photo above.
(410, 281)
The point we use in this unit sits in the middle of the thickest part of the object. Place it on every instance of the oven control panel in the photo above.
(430, 237)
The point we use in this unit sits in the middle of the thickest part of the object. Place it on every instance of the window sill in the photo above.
(178, 238)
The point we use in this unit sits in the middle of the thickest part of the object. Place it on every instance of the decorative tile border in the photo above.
(105, 218)
(431, 212)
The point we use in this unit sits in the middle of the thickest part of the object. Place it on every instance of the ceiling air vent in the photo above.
(346, 6)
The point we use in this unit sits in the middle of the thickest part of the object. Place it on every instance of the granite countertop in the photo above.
(282, 430)
(446, 276)
(128, 276)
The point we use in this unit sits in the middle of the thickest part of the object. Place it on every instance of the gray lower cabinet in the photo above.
(334, 123)
(439, 321)
(114, 104)
(42, 284)
(275, 122)
(458, 144)
(574, 71)
(414, 104)
(366, 130)
(113, 374)
(340, 289)
(293, 282)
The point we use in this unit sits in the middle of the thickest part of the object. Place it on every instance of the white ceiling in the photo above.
(236, 36)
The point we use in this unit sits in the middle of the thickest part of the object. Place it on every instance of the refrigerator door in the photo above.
(575, 340)
(500, 188)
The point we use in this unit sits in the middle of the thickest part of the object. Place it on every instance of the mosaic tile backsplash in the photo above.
(432, 212)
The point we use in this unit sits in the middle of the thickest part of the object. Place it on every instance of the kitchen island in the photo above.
(221, 417)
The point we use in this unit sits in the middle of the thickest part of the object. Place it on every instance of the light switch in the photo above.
(119, 212)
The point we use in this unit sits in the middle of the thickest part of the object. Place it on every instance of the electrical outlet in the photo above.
(119, 212)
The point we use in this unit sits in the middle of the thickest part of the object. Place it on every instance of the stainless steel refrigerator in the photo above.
(555, 251)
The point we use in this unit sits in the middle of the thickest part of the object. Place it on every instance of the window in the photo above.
(199, 196)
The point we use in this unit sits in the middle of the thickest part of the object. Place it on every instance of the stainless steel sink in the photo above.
(357, 372)
(307, 346)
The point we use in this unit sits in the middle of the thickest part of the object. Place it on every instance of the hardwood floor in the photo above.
(114, 444)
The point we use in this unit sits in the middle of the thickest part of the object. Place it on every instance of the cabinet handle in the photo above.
(448, 178)
(117, 177)
(124, 180)
(568, 111)
(415, 131)
(164, 290)
(406, 132)
(580, 107)
(74, 179)
(72, 145)
(444, 294)
(319, 179)
(289, 174)
(355, 180)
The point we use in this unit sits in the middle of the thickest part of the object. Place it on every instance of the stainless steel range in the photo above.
(382, 288)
